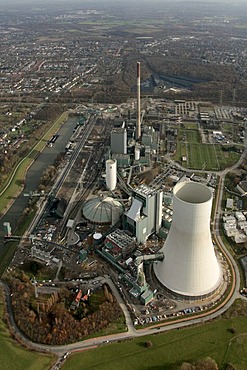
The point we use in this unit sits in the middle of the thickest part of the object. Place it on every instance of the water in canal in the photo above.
(34, 174)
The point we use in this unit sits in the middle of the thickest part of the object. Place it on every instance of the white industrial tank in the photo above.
(111, 174)
(97, 237)
(137, 153)
(190, 267)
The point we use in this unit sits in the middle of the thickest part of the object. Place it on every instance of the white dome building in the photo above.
(102, 211)
(190, 267)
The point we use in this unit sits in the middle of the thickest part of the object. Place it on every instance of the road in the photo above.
(131, 332)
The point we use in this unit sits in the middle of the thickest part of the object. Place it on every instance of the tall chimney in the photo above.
(138, 111)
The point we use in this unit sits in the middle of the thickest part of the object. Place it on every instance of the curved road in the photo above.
(132, 332)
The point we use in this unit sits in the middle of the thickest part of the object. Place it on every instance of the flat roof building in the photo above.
(119, 140)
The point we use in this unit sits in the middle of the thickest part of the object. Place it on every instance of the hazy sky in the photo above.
(12, 2)
(39, 3)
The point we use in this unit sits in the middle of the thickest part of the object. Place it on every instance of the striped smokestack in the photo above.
(138, 111)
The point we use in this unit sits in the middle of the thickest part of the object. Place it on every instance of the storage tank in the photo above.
(137, 153)
(111, 174)
(190, 267)
(97, 237)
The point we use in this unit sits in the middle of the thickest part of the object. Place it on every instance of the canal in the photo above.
(34, 174)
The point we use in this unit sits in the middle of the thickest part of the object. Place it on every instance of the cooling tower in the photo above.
(111, 174)
(190, 267)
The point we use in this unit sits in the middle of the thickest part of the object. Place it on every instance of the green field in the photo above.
(171, 349)
(190, 136)
(190, 125)
(13, 356)
(202, 156)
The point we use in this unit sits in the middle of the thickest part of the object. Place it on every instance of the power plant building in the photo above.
(102, 211)
(123, 160)
(145, 214)
(190, 268)
(119, 140)
(150, 137)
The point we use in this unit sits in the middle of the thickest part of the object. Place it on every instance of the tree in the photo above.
(205, 364)
(149, 344)
(230, 367)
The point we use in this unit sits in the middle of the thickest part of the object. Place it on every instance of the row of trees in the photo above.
(207, 363)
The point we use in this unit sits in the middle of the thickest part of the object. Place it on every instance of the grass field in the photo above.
(171, 349)
(190, 125)
(13, 356)
(202, 156)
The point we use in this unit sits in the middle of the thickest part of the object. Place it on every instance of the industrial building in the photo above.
(133, 143)
(190, 268)
(127, 151)
(43, 255)
(118, 250)
(83, 255)
(145, 214)
(102, 211)
(123, 160)
(119, 140)
(118, 245)
(150, 138)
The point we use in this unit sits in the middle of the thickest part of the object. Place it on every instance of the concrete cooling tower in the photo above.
(190, 267)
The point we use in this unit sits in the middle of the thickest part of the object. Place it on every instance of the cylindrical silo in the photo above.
(111, 174)
(137, 153)
(97, 237)
(190, 267)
